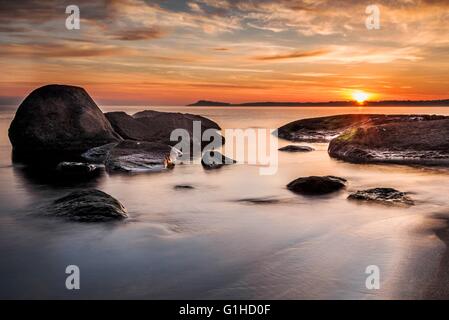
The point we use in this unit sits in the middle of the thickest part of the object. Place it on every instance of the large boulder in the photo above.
(316, 185)
(383, 196)
(415, 142)
(140, 156)
(58, 120)
(324, 129)
(89, 205)
(154, 126)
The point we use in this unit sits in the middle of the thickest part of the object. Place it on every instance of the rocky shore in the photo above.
(370, 138)
(59, 129)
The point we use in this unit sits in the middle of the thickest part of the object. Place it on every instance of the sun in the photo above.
(360, 96)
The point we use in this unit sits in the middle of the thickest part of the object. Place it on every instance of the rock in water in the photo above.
(316, 185)
(140, 156)
(416, 142)
(98, 154)
(215, 160)
(184, 187)
(75, 168)
(89, 205)
(382, 195)
(292, 148)
(324, 129)
(154, 126)
(57, 119)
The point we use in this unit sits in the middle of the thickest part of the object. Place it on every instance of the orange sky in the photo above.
(166, 52)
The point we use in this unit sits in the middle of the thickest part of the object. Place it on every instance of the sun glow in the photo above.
(360, 96)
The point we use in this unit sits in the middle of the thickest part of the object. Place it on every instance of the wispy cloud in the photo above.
(292, 55)
(246, 47)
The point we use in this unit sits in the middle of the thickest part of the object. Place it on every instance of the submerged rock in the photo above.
(416, 142)
(184, 186)
(58, 120)
(260, 201)
(76, 168)
(316, 185)
(382, 195)
(215, 160)
(89, 205)
(292, 148)
(324, 129)
(140, 156)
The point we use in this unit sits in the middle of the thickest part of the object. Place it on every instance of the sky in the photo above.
(167, 52)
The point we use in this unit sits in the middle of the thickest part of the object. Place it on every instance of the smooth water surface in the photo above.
(204, 243)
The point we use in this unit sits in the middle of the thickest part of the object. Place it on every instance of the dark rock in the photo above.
(416, 142)
(324, 129)
(316, 185)
(292, 148)
(89, 205)
(76, 168)
(260, 201)
(140, 156)
(382, 195)
(215, 160)
(58, 120)
(98, 154)
(184, 186)
(154, 126)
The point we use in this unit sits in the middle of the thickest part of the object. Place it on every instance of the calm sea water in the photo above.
(205, 244)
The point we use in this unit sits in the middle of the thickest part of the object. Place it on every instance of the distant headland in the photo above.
(205, 103)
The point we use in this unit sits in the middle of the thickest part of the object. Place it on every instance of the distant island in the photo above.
(205, 103)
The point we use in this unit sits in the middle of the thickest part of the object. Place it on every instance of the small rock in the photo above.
(316, 185)
(76, 168)
(89, 205)
(264, 200)
(382, 195)
(140, 156)
(215, 160)
(292, 148)
(184, 186)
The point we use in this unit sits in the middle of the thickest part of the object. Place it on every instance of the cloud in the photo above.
(293, 55)
(62, 50)
(139, 34)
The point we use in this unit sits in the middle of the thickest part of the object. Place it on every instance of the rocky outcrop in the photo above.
(154, 126)
(324, 129)
(292, 148)
(89, 205)
(316, 185)
(58, 120)
(215, 160)
(414, 142)
(140, 156)
(382, 195)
